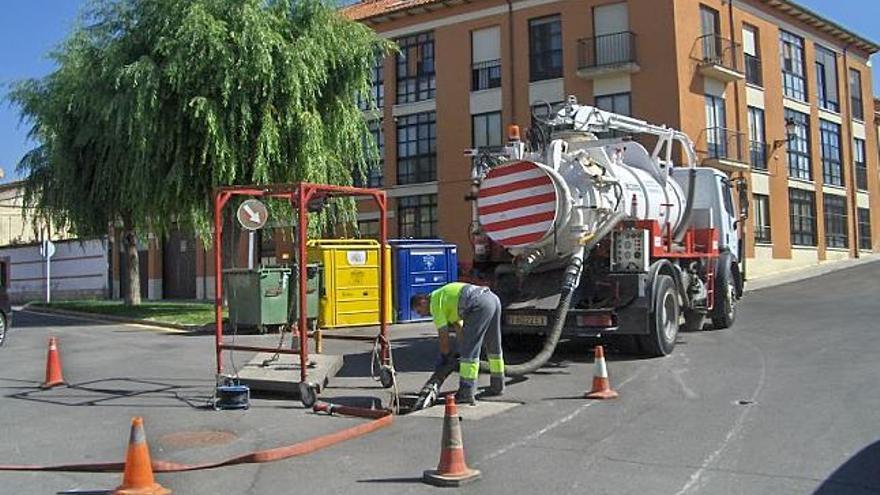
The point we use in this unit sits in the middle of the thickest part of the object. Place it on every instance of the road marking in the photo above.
(552, 426)
(695, 478)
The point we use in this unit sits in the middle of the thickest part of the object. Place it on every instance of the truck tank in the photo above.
(543, 208)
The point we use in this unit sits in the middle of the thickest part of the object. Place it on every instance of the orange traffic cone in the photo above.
(601, 386)
(53, 366)
(452, 470)
(138, 476)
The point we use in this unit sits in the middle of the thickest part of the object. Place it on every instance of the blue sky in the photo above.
(29, 29)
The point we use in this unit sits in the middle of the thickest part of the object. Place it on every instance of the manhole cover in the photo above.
(186, 439)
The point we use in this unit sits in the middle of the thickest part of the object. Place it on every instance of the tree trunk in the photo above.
(133, 295)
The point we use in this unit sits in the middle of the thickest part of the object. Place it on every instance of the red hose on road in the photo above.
(382, 419)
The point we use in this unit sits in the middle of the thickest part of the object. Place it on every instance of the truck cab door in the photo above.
(729, 227)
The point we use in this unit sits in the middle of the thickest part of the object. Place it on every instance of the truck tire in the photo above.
(724, 311)
(663, 318)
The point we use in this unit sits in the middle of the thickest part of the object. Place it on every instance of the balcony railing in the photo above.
(718, 57)
(725, 145)
(486, 75)
(753, 70)
(758, 154)
(607, 50)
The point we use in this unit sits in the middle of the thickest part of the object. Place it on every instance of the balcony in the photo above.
(718, 58)
(486, 75)
(724, 149)
(607, 55)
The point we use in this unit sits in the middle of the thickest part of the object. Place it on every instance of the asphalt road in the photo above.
(785, 402)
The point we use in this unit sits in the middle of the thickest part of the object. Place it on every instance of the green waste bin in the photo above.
(314, 275)
(258, 298)
(262, 298)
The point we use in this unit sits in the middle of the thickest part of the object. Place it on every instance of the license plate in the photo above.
(527, 320)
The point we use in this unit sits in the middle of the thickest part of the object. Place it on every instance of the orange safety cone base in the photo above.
(602, 394)
(434, 477)
(156, 489)
(52, 384)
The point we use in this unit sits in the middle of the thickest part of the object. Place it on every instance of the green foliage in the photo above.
(154, 103)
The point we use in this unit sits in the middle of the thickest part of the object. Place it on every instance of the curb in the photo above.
(34, 308)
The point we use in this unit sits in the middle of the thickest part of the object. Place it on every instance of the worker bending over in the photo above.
(475, 313)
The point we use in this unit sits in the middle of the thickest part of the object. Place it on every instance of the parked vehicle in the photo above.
(601, 237)
(5, 306)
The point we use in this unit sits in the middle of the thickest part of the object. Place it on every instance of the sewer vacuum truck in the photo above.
(583, 234)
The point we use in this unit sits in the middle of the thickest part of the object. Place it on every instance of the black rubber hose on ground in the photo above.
(570, 282)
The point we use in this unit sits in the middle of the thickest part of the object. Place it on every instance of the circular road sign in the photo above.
(252, 214)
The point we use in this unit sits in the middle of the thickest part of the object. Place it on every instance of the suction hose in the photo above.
(570, 281)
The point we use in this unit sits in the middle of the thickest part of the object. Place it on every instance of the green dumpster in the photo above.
(258, 298)
(262, 298)
(314, 275)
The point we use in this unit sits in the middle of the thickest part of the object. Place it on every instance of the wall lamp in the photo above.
(790, 133)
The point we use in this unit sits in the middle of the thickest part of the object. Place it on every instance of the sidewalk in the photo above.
(798, 274)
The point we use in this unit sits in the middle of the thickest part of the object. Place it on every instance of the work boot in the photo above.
(466, 395)
(496, 386)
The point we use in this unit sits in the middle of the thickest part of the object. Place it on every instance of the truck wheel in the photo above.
(724, 311)
(664, 319)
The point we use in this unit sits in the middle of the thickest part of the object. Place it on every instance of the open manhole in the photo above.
(190, 439)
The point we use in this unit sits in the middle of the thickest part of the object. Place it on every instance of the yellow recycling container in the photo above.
(350, 292)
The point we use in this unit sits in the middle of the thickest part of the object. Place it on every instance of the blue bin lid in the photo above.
(402, 243)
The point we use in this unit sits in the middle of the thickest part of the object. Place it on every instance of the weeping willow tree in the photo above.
(154, 103)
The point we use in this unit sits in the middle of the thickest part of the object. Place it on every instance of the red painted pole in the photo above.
(383, 239)
(219, 201)
(301, 263)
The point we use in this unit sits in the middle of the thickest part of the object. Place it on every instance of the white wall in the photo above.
(79, 270)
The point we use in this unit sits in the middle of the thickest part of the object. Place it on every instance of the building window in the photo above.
(415, 68)
(486, 59)
(832, 166)
(368, 229)
(864, 228)
(855, 94)
(762, 218)
(752, 56)
(375, 174)
(835, 221)
(716, 131)
(486, 129)
(826, 79)
(802, 212)
(861, 165)
(377, 88)
(794, 84)
(417, 216)
(545, 48)
(757, 140)
(416, 148)
(798, 146)
(710, 27)
(620, 103)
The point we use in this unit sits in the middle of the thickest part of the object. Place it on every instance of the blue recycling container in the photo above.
(419, 267)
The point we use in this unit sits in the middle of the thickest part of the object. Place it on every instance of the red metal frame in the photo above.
(299, 195)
